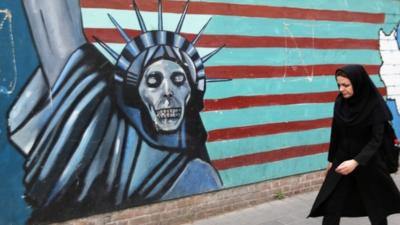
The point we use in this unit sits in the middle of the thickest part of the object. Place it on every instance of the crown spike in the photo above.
(200, 32)
(119, 28)
(160, 15)
(107, 48)
(211, 54)
(179, 27)
(139, 17)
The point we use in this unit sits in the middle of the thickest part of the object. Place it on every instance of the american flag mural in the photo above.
(68, 142)
(272, 118)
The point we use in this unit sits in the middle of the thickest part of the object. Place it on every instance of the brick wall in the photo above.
(192, 208)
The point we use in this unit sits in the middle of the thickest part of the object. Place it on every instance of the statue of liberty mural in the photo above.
(98, 136)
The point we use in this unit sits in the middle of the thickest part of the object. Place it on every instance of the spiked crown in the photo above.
(157, 42)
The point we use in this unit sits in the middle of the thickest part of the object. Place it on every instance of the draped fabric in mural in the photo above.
(110, 104)
(99, 136)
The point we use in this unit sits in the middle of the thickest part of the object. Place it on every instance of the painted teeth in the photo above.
(171, 113)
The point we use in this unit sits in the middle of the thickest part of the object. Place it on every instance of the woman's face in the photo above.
(345, 87)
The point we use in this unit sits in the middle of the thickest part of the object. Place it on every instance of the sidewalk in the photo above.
(289, 211)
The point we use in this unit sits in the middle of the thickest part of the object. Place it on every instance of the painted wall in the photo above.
(267, 102)
(389, 71)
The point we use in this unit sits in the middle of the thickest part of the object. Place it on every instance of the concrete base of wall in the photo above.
(192, 208)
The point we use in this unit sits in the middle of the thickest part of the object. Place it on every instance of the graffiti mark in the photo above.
(390, 69)
(288, 57)
(8, 78)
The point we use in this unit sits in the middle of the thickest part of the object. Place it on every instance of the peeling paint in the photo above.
(309, 75)
(390, 69)
(8, 79)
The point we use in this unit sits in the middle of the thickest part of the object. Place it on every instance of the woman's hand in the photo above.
(347, 167)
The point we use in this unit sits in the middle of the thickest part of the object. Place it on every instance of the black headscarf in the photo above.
(366, 106)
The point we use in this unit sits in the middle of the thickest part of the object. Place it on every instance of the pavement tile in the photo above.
(288, 211)
(274, 222)
(287, 219)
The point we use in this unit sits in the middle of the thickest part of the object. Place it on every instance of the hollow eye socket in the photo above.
(154, 79)
(178, 78)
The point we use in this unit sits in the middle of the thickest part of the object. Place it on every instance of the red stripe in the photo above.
(266, 100)
(266, 129)
(236, 41)
(242, 10)
(270, 156)
(234, 72)
(240, 102)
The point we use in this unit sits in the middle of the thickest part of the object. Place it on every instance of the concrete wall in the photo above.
(267, 99)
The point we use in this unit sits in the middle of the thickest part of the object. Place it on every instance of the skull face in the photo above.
(165, 91)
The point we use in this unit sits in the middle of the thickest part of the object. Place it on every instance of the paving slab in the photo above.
(288, 211)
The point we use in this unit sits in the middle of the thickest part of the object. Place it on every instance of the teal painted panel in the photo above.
(292, 56)
(281, 27)
(256, 173)
(371, 6)
(98, 18)
(263, 86)
(245, 146)
(391, 21)
(264, 115)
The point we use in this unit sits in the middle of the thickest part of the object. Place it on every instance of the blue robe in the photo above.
(86, 156)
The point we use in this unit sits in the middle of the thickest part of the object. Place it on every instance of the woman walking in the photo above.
(357, 181)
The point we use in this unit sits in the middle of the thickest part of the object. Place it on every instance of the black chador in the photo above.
(358, 128)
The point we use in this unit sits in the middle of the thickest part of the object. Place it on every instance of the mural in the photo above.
(109, 136)
(390, 71)
(110, 104)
